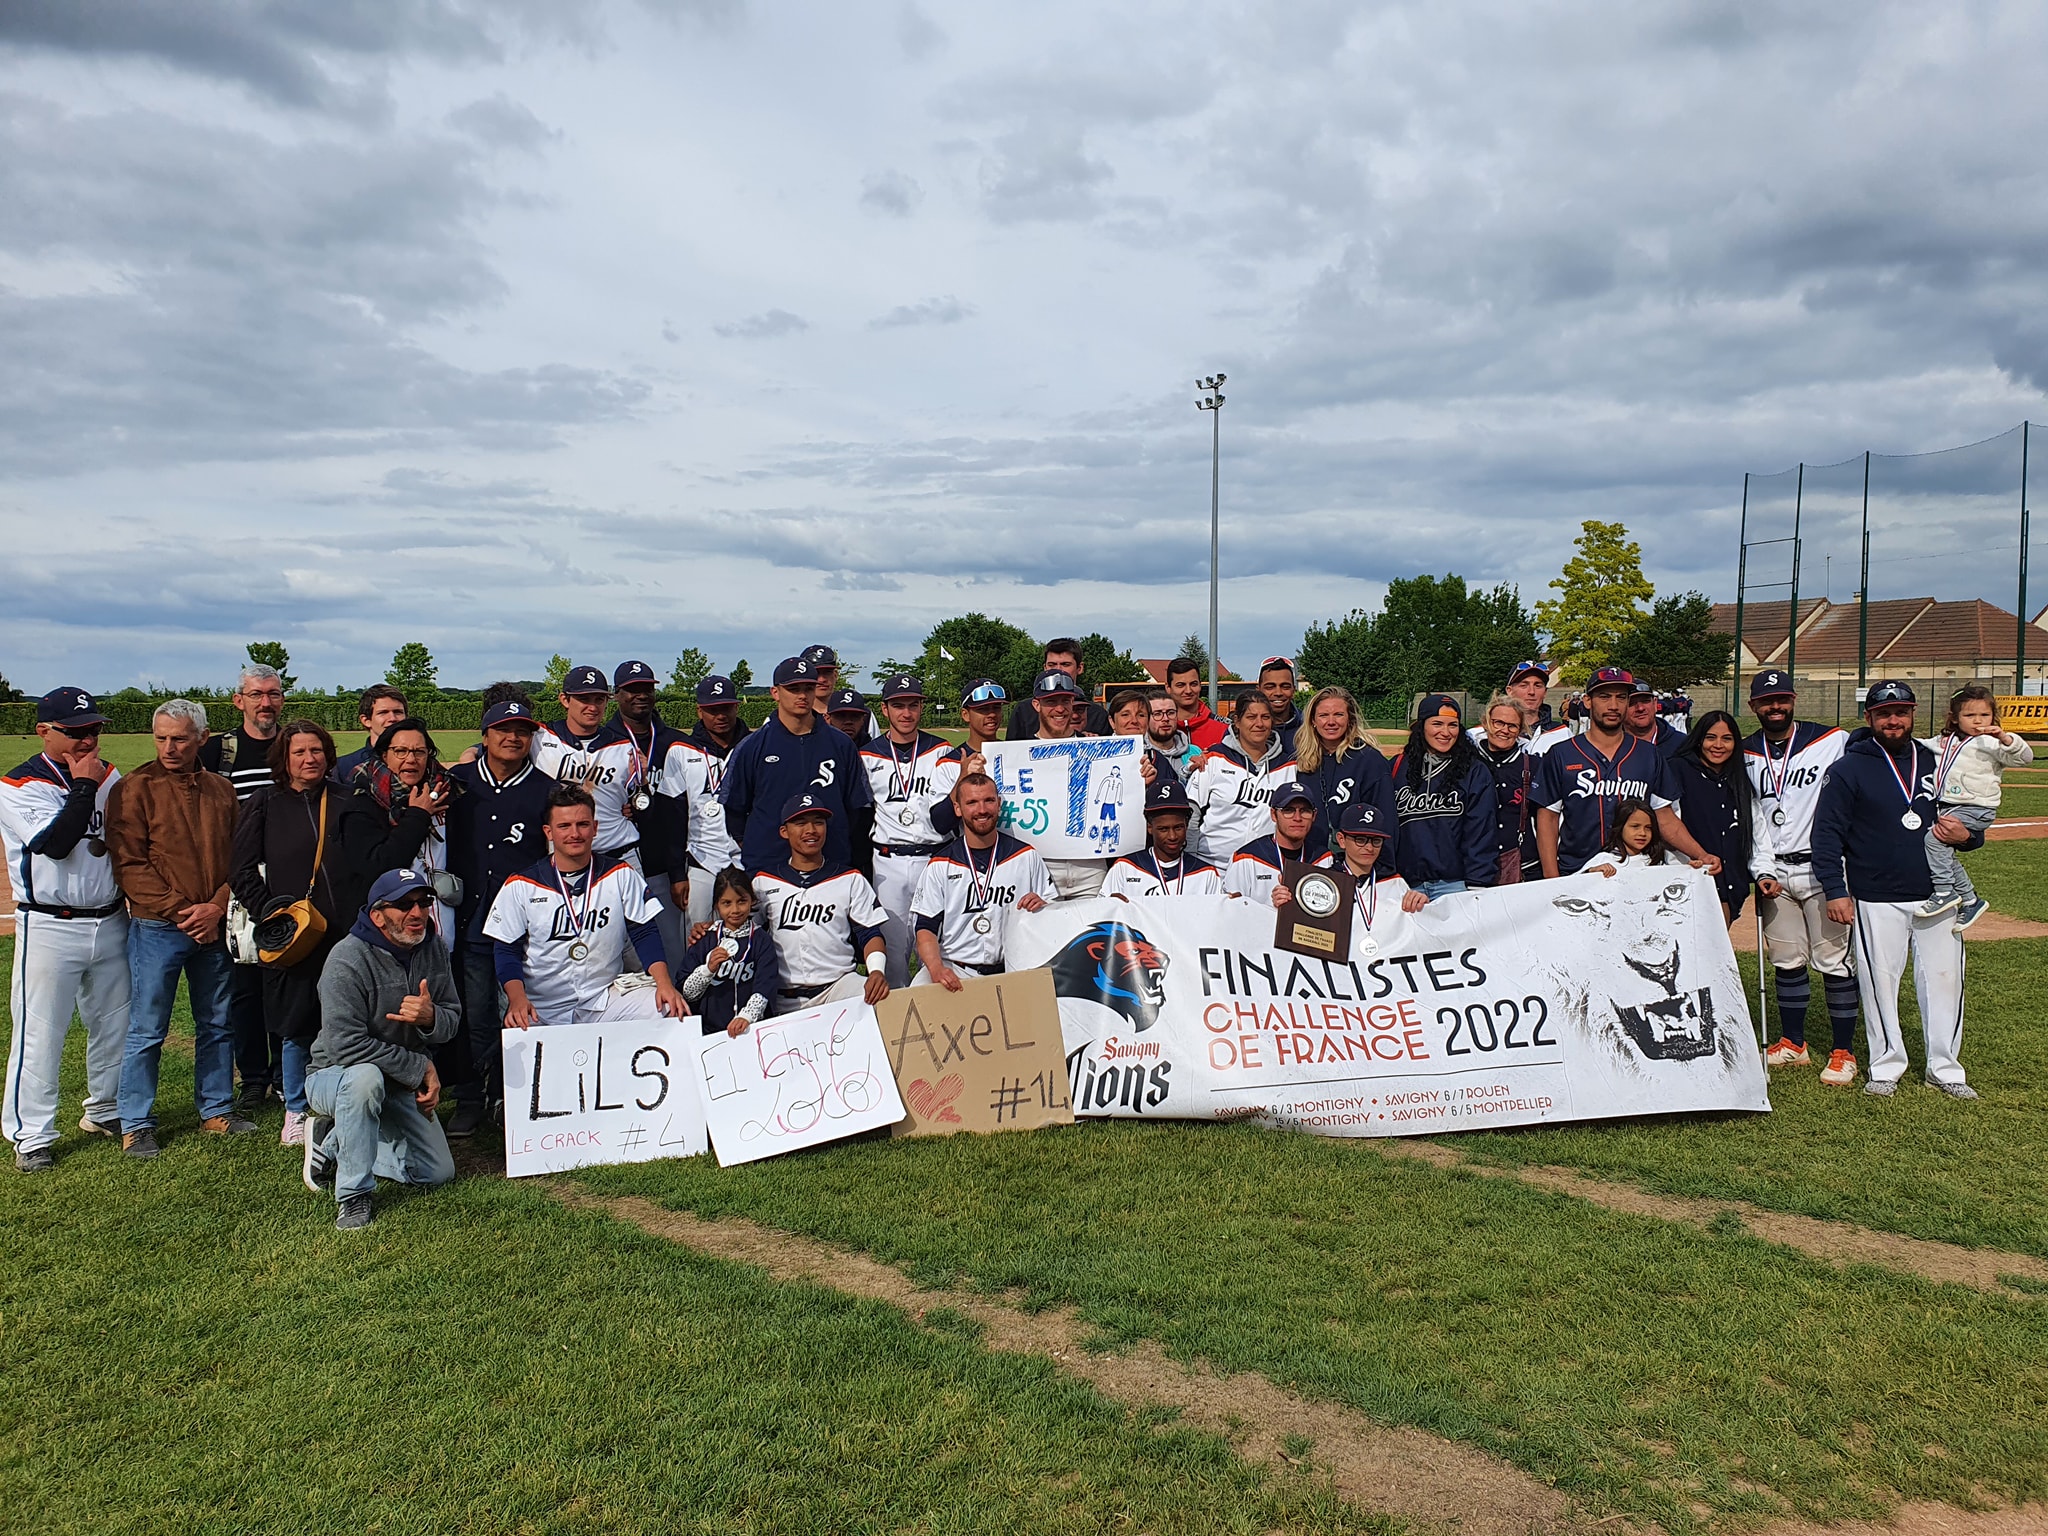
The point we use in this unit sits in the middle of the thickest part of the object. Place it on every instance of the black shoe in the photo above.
(140, 1143)
(354, 1213)
(41, 1160)
(467, 1120)
(253, 1096)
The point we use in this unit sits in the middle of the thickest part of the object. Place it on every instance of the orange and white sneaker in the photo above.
(1783, 1053)
(1840, 1070)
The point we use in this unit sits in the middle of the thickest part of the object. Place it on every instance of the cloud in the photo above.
(502, 123)
(917, 34)
(764, 326)
(940, 311)
(891, 192)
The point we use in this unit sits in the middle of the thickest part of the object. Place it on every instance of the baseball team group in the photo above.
(355, 932)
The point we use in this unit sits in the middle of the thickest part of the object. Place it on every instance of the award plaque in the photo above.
(1317, 920)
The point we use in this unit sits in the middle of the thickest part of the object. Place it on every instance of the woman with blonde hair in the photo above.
(1336, 762)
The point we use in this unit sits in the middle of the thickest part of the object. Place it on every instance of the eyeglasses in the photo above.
(420, 903)
(407, 752)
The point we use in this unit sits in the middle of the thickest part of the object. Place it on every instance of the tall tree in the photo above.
(1344, 653)
(271, 653)
(1193, 649)
(412, 671)
(742, 673)
(1600, 591)
(9, 694)
(691, 668)
(1674, 645)
(975, 645)
(1102, 662)
(1433, 632)
(556, 674)
(888, 667)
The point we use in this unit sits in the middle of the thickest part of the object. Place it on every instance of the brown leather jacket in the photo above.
(172, 838)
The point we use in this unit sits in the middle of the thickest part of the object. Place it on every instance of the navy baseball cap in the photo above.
(68, 706)
(1050, 683)
(1611, 677)
(1888, 692)
(983, 690)
(632, 672)
(1361, 821)
(1292, 794)
(795, 669)
(1771, 684)
(821, 656)
(509, 712)
(902, 686)
(1439, 704)
(396, 885)
(1166, 793)
(1526, 668)
(803, 805)
(717, 690)
(584, 680)
(844, 699)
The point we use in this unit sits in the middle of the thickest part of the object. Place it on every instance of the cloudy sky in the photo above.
(538, 325)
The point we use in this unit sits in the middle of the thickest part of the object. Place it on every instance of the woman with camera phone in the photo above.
(403, 776)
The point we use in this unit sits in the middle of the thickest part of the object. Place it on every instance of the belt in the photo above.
(1795, 858)
(69, 912)
(923, 851)
(804, 991)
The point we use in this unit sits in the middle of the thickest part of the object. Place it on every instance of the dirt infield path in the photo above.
(1991, 926)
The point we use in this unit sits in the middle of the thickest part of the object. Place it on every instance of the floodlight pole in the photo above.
(1741, 575)
(1863, 594)
(1212, 402)
(1792, 628)
(2019, 637)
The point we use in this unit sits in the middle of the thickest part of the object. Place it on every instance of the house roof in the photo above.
(1832, 638)
(1973, 630)
(1902, 629)
(1764, 624)
(1156, 670)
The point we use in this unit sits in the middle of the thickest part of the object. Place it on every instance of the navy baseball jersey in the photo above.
(773, 766)
(1576, 780)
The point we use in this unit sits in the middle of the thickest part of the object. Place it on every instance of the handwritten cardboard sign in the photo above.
(796, 1081)
(613, 1092)
(986, 1058)
(1082, 798)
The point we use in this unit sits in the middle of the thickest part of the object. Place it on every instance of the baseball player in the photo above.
(821, 915)
(1870, 856)
(1231, 787)
(1788, 761)
(1362, 834)
(1529, 684)
(1578, 782)
(825, 667)
(692, 773)
(1276, 682)
(601, 757)
(663, 828)
(70, 929)
(910, 773)
(793, 753)
(970, 887)
(846, 709)
(561, 930)
(1645, 720)
(1255, 868)
(1164, 867)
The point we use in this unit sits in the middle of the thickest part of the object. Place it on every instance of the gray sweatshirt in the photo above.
(366, 978)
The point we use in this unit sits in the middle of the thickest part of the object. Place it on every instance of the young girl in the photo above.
(1635, 843)
(1974, 754)
(729, 970)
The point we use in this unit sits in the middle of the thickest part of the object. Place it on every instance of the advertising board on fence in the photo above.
(1082, 798)
(617, 1092)
(796, 1081)
(1556, 1000)
(989, 1057)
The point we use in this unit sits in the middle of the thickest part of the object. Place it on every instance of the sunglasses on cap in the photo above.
(987, 693)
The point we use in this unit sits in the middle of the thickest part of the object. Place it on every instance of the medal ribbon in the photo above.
(901, 774)
(642, 761)
(1776, 778)
(569, 902)
(983, 886)
(1951, 749)
(1904, 788)
(1367, 901)
(1180, 873)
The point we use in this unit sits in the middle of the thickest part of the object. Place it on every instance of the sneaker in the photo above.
(1953, 1090)
(1784, 1053)
(1937, 904)
(1878, 1090)
(229, 1124)
(93, 1127)
(354, 1213)
(1970, 911)
(467, 1120)
(294, 1132)
(317, 1172)
(37, 1160)
(141, 1145)
(252, 1099)
(1840, 1070)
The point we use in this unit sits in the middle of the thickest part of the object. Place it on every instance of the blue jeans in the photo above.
(1435, 888)
(158, 953)
(298, 1056)
(380, 1131)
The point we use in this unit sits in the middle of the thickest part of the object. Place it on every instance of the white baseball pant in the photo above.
(1884, 934)
(896, 880)
(61, 964)
(701, 908)
(1798, 929)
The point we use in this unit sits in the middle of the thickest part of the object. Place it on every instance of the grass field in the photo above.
(483, 1359)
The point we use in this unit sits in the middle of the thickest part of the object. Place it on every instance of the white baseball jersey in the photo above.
(964, 890)
(907, 782)
(1255, 869)
(31, 798)
(554, 913)
(1787, 778)
(821, 920)
(607, 764)
(691, 774)
(1233, 800)
(1141, 874)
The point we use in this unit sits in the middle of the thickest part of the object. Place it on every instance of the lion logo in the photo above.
(1116, 966)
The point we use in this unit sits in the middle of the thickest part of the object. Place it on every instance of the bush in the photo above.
(132, 718)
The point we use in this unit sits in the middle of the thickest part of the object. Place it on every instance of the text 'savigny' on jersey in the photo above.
(535, 905)
(1575, 780)
(819, 920)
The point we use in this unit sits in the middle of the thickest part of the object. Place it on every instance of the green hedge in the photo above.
(132, 718)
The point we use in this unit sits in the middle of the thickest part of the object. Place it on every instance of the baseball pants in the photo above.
(849, 986)
(896, 881)
(1798, 929)
(1885, 933)
(61, 964)
(1077, 879)
(964, 972)
(701, 908)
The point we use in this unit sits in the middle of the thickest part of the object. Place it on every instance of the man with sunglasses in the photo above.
(242, 757)
(71, 931)
(793, 753)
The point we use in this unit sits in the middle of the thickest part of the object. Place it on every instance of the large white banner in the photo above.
(1082, 798)
(1555, 1000)
(795, 1081)
(618, 1092)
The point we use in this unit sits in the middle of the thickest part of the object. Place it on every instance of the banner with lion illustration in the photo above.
(1576, 999)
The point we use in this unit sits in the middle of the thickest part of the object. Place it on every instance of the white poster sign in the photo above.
(1082, 798)
(1549, 1001)
(796, 1081)
(619, 1091)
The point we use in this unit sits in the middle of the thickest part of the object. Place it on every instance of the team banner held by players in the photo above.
(611, 1092)
(1556, 1000)
(1083, 798)
(796, 1081)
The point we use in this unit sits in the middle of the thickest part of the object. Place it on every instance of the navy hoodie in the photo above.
(1447, 830)
(1857, 828)
(1361, 776)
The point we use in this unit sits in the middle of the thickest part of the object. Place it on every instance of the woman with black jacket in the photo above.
(1505, 751)
(1336, 762)
(1717, 806)
(1444, 796)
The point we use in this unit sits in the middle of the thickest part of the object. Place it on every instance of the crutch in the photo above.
(1762, 971)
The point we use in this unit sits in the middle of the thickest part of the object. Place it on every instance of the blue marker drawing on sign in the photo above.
(1081, 754)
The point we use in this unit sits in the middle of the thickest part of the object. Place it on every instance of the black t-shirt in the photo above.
(251, 760)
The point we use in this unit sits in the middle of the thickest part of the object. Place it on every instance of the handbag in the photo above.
(290, 930)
